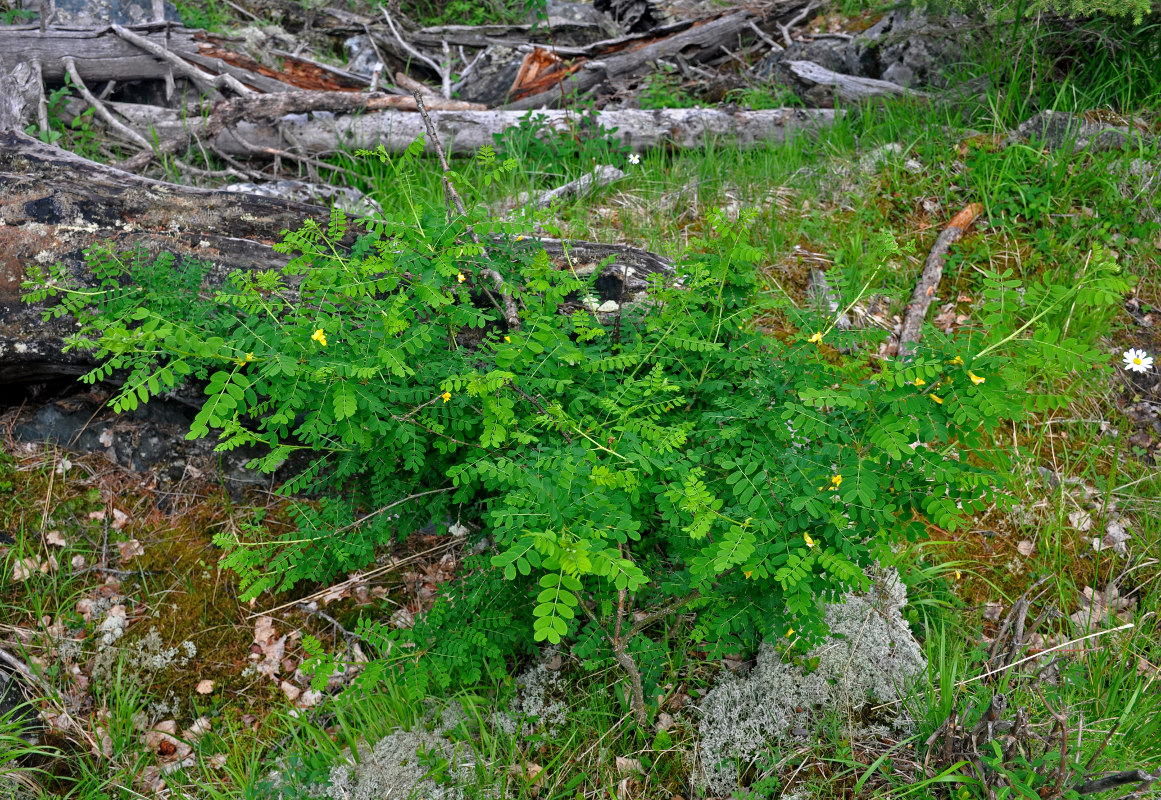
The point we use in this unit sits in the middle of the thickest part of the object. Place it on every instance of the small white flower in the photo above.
(1138, 361)
(634, 158)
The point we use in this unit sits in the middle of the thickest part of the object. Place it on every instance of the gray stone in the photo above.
(1054, 130)
(361, 56)
(95, 13)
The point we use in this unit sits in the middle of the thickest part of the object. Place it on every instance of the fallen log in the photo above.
(55, 204)
(848, 88)
(464, 132)
(100, 54)
(154, 50)
(700, 42)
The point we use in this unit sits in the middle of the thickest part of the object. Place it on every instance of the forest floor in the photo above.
(158, 679)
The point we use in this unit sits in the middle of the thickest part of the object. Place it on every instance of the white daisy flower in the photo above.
(634, 158)
(1138, 361)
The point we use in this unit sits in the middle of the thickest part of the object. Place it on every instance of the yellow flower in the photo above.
(446, 396)
(837, 480)
(789, 633)
(919, 382)
(936, 398)
(957, 360)
(520, 238)
(957, 574)
(508, 339)
(320, 337)
(808, 540)
(976, 379)
(748, 573)
(816, 338)
(461, 278)
(249, 357)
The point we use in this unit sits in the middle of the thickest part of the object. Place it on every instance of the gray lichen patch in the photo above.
(869, 656)
(413, 764)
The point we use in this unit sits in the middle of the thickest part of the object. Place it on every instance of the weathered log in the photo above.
(700, 42)
(152, 51)
(464, 132)
(55, 204)
(848, 87)
(100, 54)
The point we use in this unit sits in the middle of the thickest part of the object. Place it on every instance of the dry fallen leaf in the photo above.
(85, 608)
(218, 760)
(1024, 548)
(1098, 607)
(23, 568)
(533, 775)
(625, 764)
(665, 721)
(54, 538)
(77, 562)
(270, 646)
(199, 726)
(1081, 520)
(130, 549)
(308, 699)
(1116, 538)
(205, 687)
(162, 739)
(290, 690)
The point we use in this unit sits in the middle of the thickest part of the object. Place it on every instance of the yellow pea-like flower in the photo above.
(837, 480)
(320, 337)
(806, 538)
(976, 379)
(461, 277)
(936, 398)
(789, 633)
(919, 382)
(816, 338)
(446, 396)
(747, 574)
(508, 339)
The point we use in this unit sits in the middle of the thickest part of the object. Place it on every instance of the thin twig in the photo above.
(443, 70)
(204, 79)
(800, 18)
(125, 131)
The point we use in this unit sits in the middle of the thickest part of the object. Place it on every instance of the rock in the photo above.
(361, 56)
(150, 438)
(869, 656)
(491, 79)
(98, 13)
(14, 696)
(634, 16)
(905, 48)
(578, 14)
(1053, 130)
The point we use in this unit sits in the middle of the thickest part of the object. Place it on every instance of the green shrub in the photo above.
(671, 455)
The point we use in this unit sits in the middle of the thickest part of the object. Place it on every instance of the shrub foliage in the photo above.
(705, 448)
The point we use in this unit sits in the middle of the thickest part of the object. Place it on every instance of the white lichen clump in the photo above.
(538, 706)
(869, 656)
(398, 764)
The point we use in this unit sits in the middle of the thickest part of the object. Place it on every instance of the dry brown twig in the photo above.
(932, 274)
